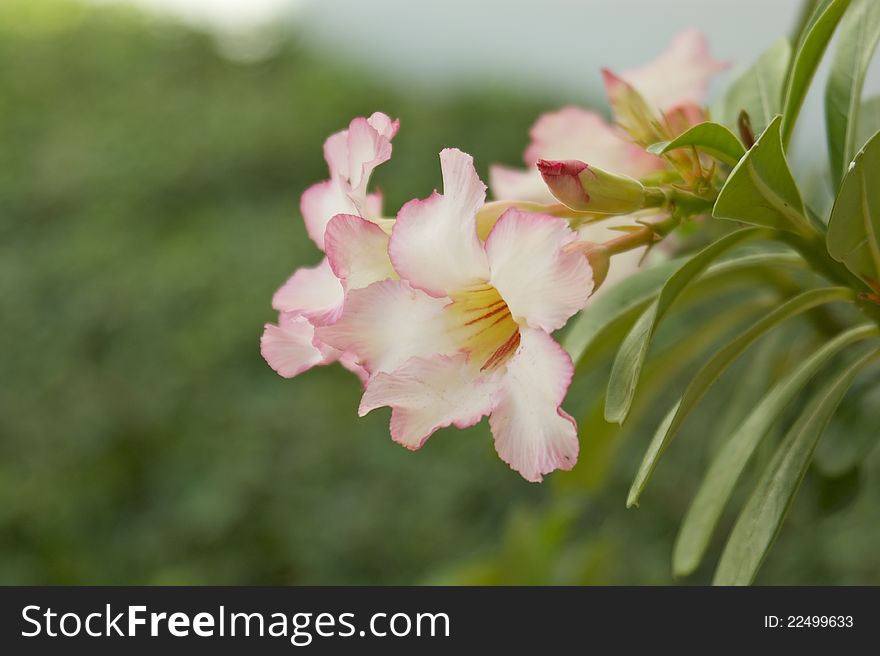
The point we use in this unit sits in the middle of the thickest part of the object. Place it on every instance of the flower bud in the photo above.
(586, 188)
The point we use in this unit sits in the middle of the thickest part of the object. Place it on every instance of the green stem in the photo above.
(688, 204)
(647, 235)
(812, 248)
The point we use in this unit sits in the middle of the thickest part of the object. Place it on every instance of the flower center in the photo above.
(483, 325)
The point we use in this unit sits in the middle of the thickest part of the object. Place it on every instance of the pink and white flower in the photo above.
(343, 220)
(465, 329)
(674, 84)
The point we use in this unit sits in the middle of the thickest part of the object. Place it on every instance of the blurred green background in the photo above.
(148, 210)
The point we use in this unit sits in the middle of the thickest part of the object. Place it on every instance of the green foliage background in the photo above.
(148, 210)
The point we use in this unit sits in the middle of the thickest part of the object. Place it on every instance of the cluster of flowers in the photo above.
(446, 312)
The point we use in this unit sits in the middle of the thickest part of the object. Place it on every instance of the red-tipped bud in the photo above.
(586, 188)
(562, 179)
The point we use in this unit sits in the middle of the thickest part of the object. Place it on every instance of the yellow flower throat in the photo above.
(483, 325)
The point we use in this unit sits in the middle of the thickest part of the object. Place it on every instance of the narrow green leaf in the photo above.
(854, 227)
(808, 14)
(754, 263)
(766, 363)
(859, 34)
(758, 91)
(629, 294)
(853, 434)
(631, 356)
(761, 189)
(727, 466)
(711, 138)
(660, 371)
(761, 518)
(869, 121)
(806, 62)
(715, 366)
(611, 315)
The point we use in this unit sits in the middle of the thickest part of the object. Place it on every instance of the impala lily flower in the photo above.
(465, 330)
(343, 219)
(573, 133)
(674, 84)
(663, 99)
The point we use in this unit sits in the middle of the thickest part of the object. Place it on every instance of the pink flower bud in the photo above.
(585, 188)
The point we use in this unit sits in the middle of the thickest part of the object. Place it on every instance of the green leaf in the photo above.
(854, 227)
(758, 91)
(853, 434)
(761, 518)
(761, 190)
(610, 315)
(631, 355)
(628, 295)
(869, 121)
(711, 138)
(806, 61)
(715, 490)
(808, 14)
(835, 493)
(766, 363)
(661, 371)
(859, 34)
(715, 366)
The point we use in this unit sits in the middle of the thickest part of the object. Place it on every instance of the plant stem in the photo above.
(812, 248)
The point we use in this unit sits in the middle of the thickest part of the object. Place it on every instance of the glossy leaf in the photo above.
(806, 62)
(727, 466)
(758, 91)
(854, 228)
(761, 189)
(710, 138)
(715, 366)
(631, 356)
(761, 518)
(859, 34)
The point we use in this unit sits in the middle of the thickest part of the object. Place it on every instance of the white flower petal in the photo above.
(314, 292)
(542, 283)
(387, 323)
(681, 74)
(288, 347)
(384, 125)
(320, 203)
(532, 433)
(366, 150)
(358, 251)
(519, 184)
(434, 243)
(429, 393)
